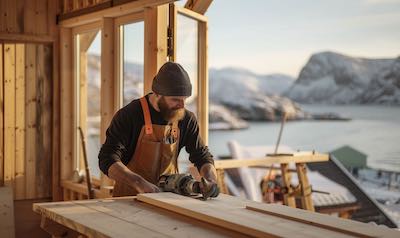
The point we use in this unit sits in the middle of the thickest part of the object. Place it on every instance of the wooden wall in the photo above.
(27, 119)
(28, 17)
(28, 83)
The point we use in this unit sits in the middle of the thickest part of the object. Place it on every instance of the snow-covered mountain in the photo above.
(385, 87)
(267, 84)
(252, 97)
(333, 78)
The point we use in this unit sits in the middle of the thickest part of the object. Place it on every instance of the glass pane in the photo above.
(133, 58)
(88, 74)
(187, 54)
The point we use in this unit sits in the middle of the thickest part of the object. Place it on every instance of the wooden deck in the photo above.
(171, 215)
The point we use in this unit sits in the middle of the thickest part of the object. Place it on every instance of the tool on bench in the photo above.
(185, 184)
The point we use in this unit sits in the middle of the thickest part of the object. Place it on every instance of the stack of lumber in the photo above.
(172, 215)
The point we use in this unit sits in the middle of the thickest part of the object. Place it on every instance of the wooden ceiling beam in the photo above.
(199, 6)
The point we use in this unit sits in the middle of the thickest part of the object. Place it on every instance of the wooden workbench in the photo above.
(171, 215)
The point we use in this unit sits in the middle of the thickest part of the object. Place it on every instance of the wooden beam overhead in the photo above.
(115, 11)
(199, 6)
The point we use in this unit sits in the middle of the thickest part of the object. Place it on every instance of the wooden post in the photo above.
(306, 199)
(107, 84)
(203, 80)
(53, 7)
(155, 42)
(288, 197)
(66, 104)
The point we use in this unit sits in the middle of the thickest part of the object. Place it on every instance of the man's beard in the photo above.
(170, 114)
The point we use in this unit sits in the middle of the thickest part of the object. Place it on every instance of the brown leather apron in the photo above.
(156, 152)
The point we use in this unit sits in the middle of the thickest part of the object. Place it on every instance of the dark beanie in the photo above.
(172, 80)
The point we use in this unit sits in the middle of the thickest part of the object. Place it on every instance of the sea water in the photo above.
(372, 130)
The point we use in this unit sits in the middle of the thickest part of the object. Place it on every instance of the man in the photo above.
(144, 138)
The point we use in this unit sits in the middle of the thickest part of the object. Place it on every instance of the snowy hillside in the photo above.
(267, 84)
(338, 79)
(252, 97)
(385, 88)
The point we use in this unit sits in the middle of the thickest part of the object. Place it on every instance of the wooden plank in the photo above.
(234, 218)
(11, 16)
(199, 6)
(269, 160)
(1, 115)
(96, 224)
(203, 80)
(325, 221)
(3, 15)
(52, 11)
(9, 115)
(41, 17)
(31, 123)
(26, 38)
(20, 122)
(7, 228)
(20, 14)
(66, 101)
(43, 120)
(168, 223)
(29, 17)
(120, 10)
(191, 14)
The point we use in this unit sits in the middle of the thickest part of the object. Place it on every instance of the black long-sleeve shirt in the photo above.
(123, 134)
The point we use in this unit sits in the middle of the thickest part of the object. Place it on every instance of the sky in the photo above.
(279, 36)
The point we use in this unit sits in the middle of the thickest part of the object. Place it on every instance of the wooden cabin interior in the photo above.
(47, 93)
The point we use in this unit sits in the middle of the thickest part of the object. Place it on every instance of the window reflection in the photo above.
(133, 61)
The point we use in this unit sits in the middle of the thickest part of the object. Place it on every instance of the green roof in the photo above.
(350, 157)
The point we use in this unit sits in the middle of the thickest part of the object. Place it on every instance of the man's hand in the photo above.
(143, 186)
(208, 188)
(119, 172)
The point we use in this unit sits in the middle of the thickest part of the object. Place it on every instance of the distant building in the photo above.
(351, 158)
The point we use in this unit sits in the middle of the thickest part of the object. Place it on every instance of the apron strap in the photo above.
(174, 131)
(147, 118)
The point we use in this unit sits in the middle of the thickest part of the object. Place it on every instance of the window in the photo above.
(132, 58)
(87, 91)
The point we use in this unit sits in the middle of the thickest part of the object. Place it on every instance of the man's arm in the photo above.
(119, 172)
(209, 172)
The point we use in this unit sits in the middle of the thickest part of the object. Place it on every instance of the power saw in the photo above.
(185, 184)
